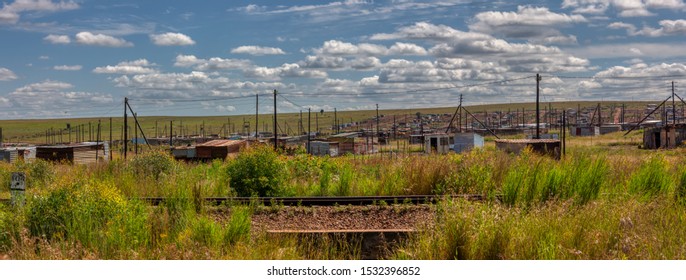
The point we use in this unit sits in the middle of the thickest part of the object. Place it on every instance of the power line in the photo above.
(652, 77)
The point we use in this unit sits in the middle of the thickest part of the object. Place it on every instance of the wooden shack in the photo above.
(351, 142)
(584, 130)
(550, 147)
(219, 149)
(14, 154)
(80, 153)
(322, 148)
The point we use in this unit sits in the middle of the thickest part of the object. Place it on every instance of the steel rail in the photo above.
(319, 200)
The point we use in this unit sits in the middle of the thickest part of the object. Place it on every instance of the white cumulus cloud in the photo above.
(290, 70)
(667, 28)
(45, 86)
(171, 39)
(624, 8)
(535, 23)
(57, 39)
(140, 66)
(102, 40)
(211, 64)
(257, 50)
(7, 74)
(68, 67)
(10, 13)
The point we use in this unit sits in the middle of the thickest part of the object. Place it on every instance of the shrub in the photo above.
(152, 165)
(93, 215)
(257, 172)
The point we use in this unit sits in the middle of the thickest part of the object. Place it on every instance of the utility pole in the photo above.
(459, 116)
(673, 106)
(135, 133)
(171, 135)
(538, 115)
(126, 126)
(97, 142)
(395, 129)
(378, 134)
(578, 111)
(335, 120)
(377, 123)
(276, 136)
(309, 128)
(110, 138)
(257, 117)
(623, 109)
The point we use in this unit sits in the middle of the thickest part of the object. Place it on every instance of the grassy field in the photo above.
(606, 199)
(34, 131)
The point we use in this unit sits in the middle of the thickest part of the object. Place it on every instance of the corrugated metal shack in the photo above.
(667, 137)
(550, 147)
(416, 139)
(587, 130)
(467, 141)
(351, 142)
(219, 149)
(322, 148)
(610, 128)
(13, 154)
(584, 130)
(184, 153)
(437, 143)
(80, 153)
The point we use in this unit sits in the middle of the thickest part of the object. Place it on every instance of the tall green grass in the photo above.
(626, 229)
(585, 206)
(652, 179)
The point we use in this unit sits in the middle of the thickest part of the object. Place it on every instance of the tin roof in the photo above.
(74, 145)
(346, 134)
(527, 141)
(220, 143)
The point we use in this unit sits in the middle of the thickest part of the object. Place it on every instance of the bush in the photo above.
(91, 214)
(152, 165)
(257, 172)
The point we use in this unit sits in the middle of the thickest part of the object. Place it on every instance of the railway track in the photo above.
(322, 200)
(329, 200)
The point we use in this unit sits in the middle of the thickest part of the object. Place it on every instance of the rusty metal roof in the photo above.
(74, 145)
(221, 143)
(527, 141)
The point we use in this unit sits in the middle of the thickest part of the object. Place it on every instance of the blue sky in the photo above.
(81, 58)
